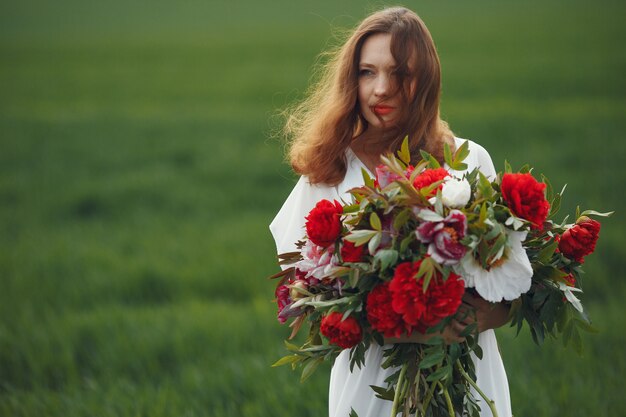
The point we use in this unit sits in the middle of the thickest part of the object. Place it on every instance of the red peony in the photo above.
(580, 240)
(525, 197)
(345, 334)
(419, 309)
(352, 253)
(323, 224)
(381, 315)
(430, 176)
(443, 298)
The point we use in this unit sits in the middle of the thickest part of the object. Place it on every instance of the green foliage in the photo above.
(136, 185)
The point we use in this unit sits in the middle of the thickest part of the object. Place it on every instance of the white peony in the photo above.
(509, 278)
(455, 193)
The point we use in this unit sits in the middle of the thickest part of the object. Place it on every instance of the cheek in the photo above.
(362, 89)
(363, 100)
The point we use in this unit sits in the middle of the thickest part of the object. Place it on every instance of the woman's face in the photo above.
(377, 82)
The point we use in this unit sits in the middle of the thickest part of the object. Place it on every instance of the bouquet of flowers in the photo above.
(398, 258)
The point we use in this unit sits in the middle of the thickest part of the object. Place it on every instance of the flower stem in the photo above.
(429, 396)
(490, 403)
(399, 387)
(448, 399)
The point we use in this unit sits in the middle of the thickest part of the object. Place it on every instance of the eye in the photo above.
(364, 72)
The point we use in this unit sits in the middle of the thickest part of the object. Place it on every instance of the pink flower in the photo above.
(444, 237)
(318, 261)
(384, 176)
(285, 302)
(282, 300)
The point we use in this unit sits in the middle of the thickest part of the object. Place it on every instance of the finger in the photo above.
(451, 334)
(457, 327)
(467, 320)
(473, 301)
(464, 312)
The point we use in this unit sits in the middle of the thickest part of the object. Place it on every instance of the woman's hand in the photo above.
(451, 334)
(480, 311)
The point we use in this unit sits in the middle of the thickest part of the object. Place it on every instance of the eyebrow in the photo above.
(368, 65)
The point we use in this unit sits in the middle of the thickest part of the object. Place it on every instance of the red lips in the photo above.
(382, 110)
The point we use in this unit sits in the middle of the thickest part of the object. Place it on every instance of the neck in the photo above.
(373, 141)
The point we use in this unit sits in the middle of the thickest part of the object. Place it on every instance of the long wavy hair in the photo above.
(320, 128)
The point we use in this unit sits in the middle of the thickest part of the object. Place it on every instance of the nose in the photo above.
(382, 86)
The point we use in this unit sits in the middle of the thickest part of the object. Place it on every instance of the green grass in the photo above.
(137, 180)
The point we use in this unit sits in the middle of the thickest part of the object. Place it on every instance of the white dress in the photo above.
(352, 389)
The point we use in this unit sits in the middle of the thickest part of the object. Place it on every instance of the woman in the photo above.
(383, 84)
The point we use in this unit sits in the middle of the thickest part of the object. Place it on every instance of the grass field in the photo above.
(138, 176)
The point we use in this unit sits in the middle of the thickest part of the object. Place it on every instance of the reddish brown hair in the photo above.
(321, 127)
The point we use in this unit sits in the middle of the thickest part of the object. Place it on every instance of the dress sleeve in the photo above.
(484, 162)
(288, 225)
(478, 158)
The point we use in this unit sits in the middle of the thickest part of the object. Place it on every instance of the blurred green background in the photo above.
(138, 176)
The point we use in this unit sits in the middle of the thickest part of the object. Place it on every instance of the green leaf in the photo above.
(439, 204)
(483, 214)
(594, 213)
(385, 394)
(440, 374)
(375, 221)
(484, 187)
(353, 277)
(577, 341)
(507, 167)
(432, 162)
(411, 192)
(549, 192)
(374, 243)
(406, 242)
(462, 152)
(459, 166)
(386, 257)
(360, 237)
(426, 270)
(367, 180)
(351, 208)
(546, 253)
(404, 153)
(454, 350)
(431, 360)
(447, 155)
(555, 205)
(291, 347)
(585, 326)
(309, 368)
(286, 359)
(478, 351)
(401, 218)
